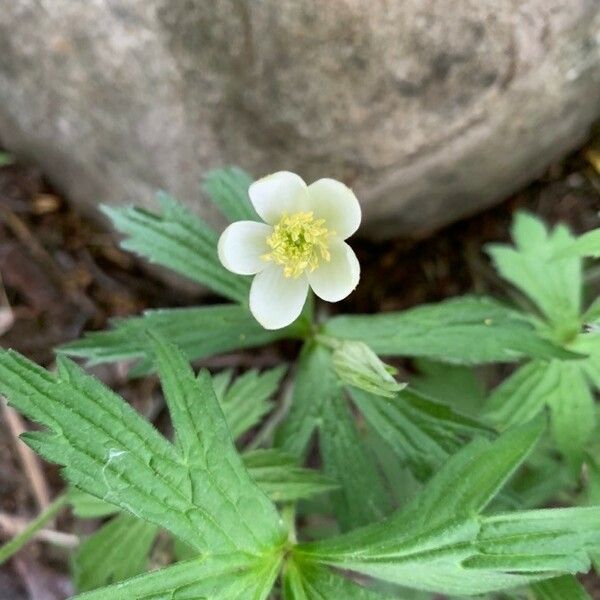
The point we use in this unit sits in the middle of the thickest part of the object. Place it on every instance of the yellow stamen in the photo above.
(299, 243)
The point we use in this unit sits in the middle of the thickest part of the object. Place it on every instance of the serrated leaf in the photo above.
(199, 332)
(456, 385)
(86, 506)
(307, 581)
(315, 385)
(573, 411)
(523, 395)
(560, 385)
(228, 189)
(362, 497)
(205, 496)
(440, 543)
(467, 330)
(282, 479)
(318, 405)
(587, 244)
(560, 588)
(422, 432)
(177, 239)
(247, 399)
(236, 576)
(554, 285)
(117, 551)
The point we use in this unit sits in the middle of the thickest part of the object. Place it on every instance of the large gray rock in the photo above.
(430, 109)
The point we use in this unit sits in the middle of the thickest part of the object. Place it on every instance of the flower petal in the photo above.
(276, 300)
(241, 246)
(334, 280)
(276, 194)
(336, 203)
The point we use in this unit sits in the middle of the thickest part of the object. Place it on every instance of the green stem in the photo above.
(38, 523)
(288, 515)
(328, 341)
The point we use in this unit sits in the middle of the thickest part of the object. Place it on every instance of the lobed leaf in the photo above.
(282, 479)
(554, 285)
(235, 576)
(560, 588)
(245, 401)
(467, 330)
(199, 332)
(422, 432)
(175, 238)
(308, 581)
(205, 496)
(117, 551)
(587, 244)
(228, 189)
(441, 543)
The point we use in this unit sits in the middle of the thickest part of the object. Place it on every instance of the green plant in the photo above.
(419, 493)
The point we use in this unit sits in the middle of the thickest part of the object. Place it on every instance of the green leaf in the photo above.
(6, 159)
(315, 385)
(357, 365)
(554, 285)
(456, 385)
(422, 432)
(307, 581)
(587, 244)
(573, 411)
(117, 551)
(560, 385)
(247, 399)
(282, 479)
(347, 459)
(86, 506)
(467, 330)
(199, 332)
(218, 577)
(203, 495)
(177, 239)
(524, 394)
(318, 404)
(228, 189)
(560, 588)
(439, 543)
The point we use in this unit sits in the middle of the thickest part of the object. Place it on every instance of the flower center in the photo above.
(299, 243)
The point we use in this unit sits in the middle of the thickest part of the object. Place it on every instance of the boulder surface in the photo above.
(429, 109)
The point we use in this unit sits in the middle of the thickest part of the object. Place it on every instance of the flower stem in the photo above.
(38, 523)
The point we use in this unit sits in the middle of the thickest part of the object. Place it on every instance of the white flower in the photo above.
(300, 244)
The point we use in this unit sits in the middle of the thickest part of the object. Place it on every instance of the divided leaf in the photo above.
(218, 577)
(362, 497)
(422, 432)
(115, 552)
(202, 494)
(282, 479)
(247, 399)
(560, 588)
(554, 285)
(441, 543)
(318, 405)
(228, 189)
(587, 244)
(309, 581)
(199, 332)
(560, 385)
(467, 330)
(177, 239)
